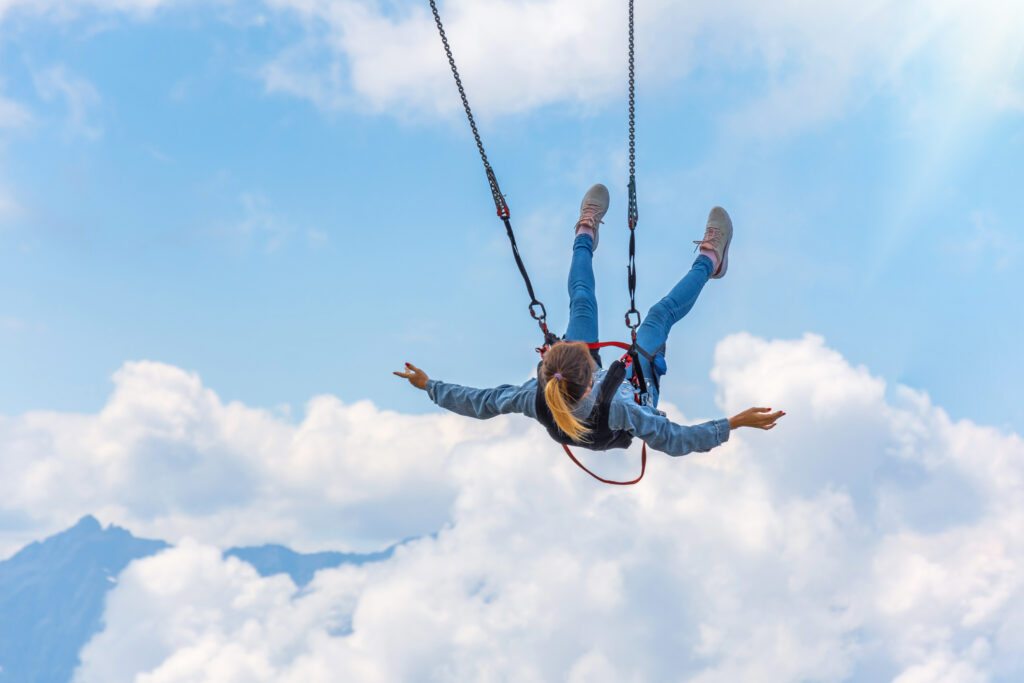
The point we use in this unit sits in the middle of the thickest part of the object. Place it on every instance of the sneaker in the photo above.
(717, 236)
(593, 209)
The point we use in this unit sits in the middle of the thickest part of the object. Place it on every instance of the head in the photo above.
(567, 374)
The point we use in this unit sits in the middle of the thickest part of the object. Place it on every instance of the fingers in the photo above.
(410, 371)
(416, 377)
(766, 422)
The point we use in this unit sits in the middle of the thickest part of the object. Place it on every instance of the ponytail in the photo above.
(567, 371)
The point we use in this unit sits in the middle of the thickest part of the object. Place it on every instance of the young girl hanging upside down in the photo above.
(572, 397)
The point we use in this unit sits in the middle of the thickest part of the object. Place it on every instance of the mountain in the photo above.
(52, 592)
(277, 559)
(51, 597)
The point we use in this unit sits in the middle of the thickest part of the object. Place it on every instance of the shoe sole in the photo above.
(724, 266)
(725, 260)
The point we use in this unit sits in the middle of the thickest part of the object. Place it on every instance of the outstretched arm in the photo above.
(478, 403)
(662, 434)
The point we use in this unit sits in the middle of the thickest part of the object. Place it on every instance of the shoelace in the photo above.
(711, 234)
(588, 214)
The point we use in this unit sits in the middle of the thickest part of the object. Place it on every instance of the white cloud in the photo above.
(79, 96)
(868, 536)
(798, 64)
(167, 458)
(810, 62)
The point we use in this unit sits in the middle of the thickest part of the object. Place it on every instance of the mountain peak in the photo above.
(58, 585)
(87, 524)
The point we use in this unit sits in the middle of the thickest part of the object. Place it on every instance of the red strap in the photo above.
(643, 467)
(590, 345)
(601, 345)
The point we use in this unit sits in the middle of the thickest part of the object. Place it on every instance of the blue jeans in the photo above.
(653, 333)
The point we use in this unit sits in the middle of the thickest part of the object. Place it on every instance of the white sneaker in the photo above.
(592, 209)
(717, 237)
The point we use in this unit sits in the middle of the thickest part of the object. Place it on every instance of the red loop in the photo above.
(601, 345)
(627, 359)
(643, 468)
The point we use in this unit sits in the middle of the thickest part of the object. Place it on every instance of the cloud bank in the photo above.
(167, 458)
(808, 62)
(804, 64)
(869, 537)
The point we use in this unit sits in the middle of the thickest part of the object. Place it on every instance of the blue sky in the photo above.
(223, 224)
(165, 198)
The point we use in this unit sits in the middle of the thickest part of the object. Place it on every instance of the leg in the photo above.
(582, 300)
(653, 333)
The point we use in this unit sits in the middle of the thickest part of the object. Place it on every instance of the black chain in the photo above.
(499, 199)
(537, 310)
(632, 113)
(632, 315)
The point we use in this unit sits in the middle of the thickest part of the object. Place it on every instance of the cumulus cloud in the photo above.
(868, 537)
(167, 458)
(801, 64)
(809, 62)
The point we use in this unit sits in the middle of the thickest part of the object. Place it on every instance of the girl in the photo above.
(563, 396)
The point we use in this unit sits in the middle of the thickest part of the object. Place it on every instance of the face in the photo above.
(593, 369)
(589, 388)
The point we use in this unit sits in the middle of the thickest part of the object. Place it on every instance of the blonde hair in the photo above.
(566, 371)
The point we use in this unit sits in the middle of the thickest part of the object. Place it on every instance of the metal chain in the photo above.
(499, 199)
(537, 310)
(632, 104)
(632, 315)
(632, 209)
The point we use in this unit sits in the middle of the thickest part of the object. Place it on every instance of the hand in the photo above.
(761, 418)
(416, 377)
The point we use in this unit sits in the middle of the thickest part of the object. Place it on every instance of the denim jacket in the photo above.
(643, 422)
